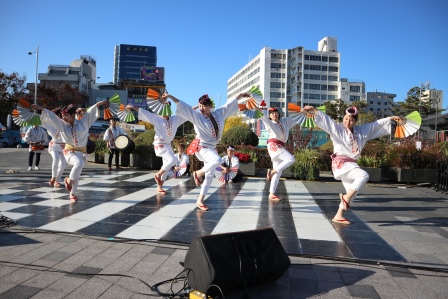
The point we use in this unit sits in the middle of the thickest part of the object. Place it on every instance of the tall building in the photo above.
(435, 96)
(352, 91)
(129, 59)
(80, 74)
(305, 77)
(380, 103)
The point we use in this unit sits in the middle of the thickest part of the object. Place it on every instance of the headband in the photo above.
(66, 110)
(230, 148)
(273, 109)
(351, 111)
(205, 100)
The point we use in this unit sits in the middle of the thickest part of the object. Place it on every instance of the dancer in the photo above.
(208, 126)
(75, 133)
(35, 136)
(165, 128)
(182, 158)
(110, 135)
(278, 130)
(348, 142)
(55, 149)
(228, 162)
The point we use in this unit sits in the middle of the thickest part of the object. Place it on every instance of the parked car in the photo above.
(9, 138)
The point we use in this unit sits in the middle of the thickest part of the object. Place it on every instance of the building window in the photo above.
(371, 102)
(379, 103)
(355, 88)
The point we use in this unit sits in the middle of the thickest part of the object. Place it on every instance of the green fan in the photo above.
(166, 110)
(255, 100)
(308, 121)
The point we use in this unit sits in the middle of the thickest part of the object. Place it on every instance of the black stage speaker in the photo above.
(233, 261)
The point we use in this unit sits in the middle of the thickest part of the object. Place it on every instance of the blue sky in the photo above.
(390, 45)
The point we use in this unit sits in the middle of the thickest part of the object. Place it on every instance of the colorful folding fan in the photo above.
(226, 176)
(125, 115)
(408, 125)
(177, 174)
(155, 102)
(255, 100)
(297, 116)
(308, 121)
(23, 116)
(114, 106)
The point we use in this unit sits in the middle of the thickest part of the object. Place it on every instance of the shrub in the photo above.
(404, 154)
(239, 136)
(144, 143)
(306, 162)
(100, 145)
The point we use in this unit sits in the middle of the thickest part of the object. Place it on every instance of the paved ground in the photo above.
(123, 240)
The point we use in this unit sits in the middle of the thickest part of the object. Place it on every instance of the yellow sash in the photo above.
(71, 148)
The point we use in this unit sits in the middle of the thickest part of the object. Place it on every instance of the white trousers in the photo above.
(77, 160)
(58, 164)
(355, 179)
(169, 160)
(211, 160)
(280, 163)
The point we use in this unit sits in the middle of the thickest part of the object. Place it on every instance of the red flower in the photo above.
(244, 158)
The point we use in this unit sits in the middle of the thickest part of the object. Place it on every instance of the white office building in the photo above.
(300, 76)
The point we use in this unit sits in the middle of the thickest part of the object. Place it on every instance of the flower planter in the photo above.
(99, 158)
(145, 161)
(287, 173)
(374, 173)
(247, 168)
(125, 160)
(403, 175)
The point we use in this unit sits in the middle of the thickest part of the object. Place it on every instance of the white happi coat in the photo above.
(184, 159)
(112, 133)
(203, 126)
(347, 144)
(77, 134)
(56, 143)
(277, 130)
(234, 162)
(35, 135)
(165, 129)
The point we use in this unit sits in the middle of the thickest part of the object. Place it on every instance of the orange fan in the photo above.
(107, 114)
(24, 115)
(242, 107)
(24, 103)
(251, 104)
(408, 125)
(152, 94)
(294, 108)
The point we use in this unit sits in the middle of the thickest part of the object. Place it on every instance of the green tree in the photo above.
(413, 103)
(12, 87)
(64, 94)
(364, 116)
(335, 109)
(239, 135)
(234, 121)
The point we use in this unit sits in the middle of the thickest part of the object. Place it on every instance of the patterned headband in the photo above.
(351, 111)
(205, 100)
(230, 148)
(64, 111)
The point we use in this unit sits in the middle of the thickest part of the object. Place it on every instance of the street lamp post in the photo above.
(37, 64)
